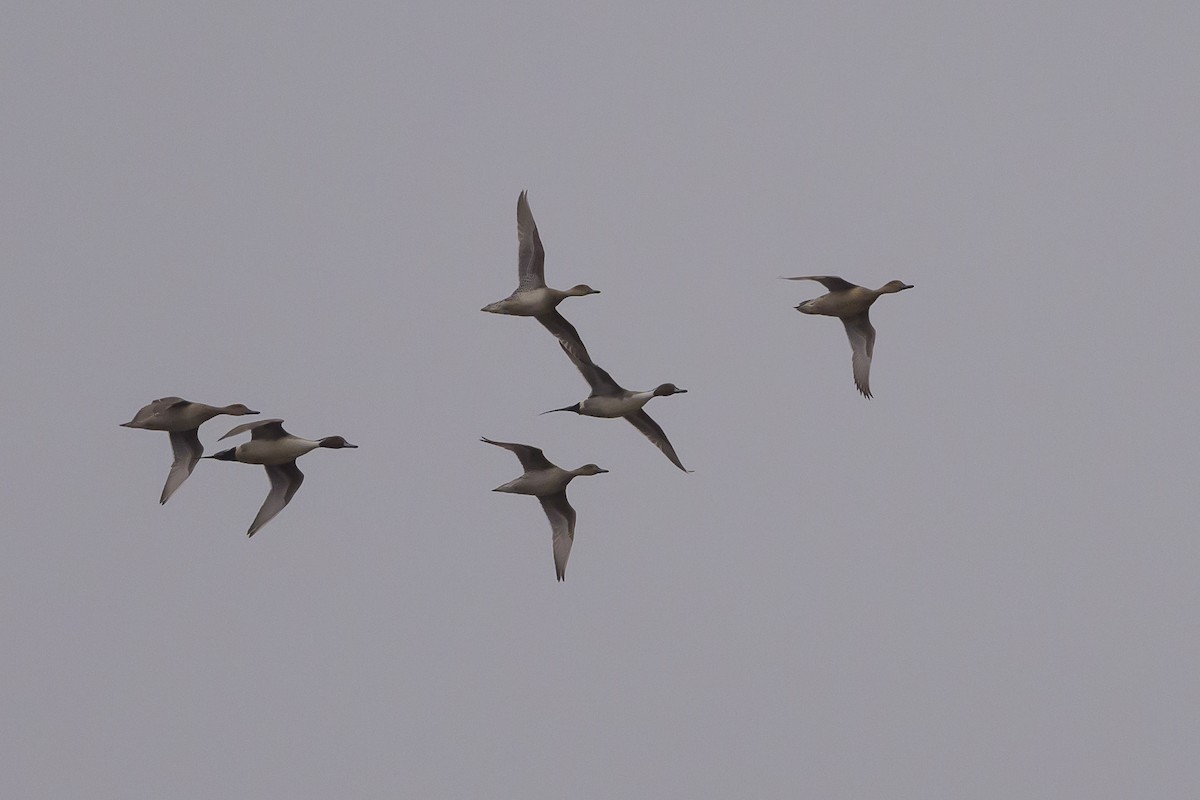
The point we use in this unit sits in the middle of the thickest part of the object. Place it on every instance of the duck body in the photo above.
(538, 482)
(533, 302)
(182, 420)
(615, 405)
(848, 303)
(274, 451)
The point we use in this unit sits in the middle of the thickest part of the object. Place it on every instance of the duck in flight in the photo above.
(850, 303)
(277, 450)
(609, 399)
(532, 298)
(548, 483)
(182, 420)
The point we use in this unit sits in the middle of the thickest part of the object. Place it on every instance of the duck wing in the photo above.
(562, 527)
(260, 429)
(285, 480)
(597, 377)
(861, 333)
(568, 337)
(186, 447)
(531, 458)
(531, 258)
(641, 420)
(830, 282)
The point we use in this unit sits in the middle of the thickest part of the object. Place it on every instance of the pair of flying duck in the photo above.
(608, 399)
(270, 445)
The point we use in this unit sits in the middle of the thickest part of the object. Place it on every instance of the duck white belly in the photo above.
(614, 406)
(274, 451)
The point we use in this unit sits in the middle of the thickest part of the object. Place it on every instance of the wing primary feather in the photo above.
(651, 430)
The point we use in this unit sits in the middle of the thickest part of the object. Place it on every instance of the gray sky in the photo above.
(981, 584)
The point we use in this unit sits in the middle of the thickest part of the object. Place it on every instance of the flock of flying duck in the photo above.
(277, 450)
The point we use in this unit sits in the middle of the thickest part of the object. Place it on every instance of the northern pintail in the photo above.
(608, 399)
(277, 450)
(532, 298)
(850, 303)
(548, 483)
(182, 419)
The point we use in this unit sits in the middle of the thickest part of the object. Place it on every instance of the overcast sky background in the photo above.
(980, 584)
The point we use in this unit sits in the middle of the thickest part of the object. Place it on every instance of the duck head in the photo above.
(336, 443)
(238, 410)
(668, 389)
